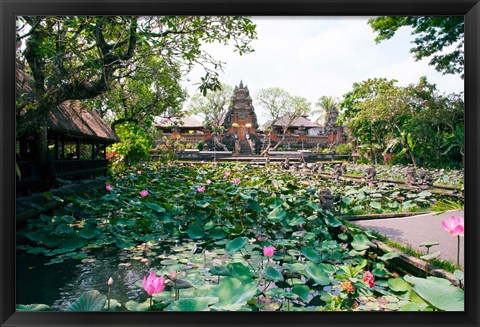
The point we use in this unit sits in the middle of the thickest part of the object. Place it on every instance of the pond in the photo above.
(225, 237)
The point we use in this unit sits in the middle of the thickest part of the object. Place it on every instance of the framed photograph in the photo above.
(267, 209)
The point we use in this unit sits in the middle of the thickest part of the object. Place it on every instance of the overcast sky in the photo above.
(315, 56)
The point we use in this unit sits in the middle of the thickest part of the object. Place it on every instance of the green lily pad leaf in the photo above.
(33, 307)
(220, 271)
(135, 306)
(192, 304)
(379, 272)
(236, 245)
(88, 233)
(389, 255)
(410, 306)
(311, 254)
(54, 261)
(108, 197)
(459, 274)
(430, 256)
(294, 267)
(36, 236)
(217, 233)
(360, 242)
(232, 294)
(428, 244)
(438, 295)
(73, 242)
(398, 284)
(331, 221)
(328, 268)
(240, 271)
(195, 231)
(343, 236)
(317, 274)
(277, 214)
(51, 241)
(183, 284)
(155, 207)
(114, 305)
(272, 274)
(89, 301)
(376, 205)
(302, 291)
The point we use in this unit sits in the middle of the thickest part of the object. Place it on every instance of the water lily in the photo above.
(109, 187)
(369, 279)
(268, 251)
(201, 189)
(236, 180)
(454, 226)
(109, 283)
(227, 174)
(153, 285)
(143, 193)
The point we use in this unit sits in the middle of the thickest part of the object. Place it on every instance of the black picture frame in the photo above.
(11, 8)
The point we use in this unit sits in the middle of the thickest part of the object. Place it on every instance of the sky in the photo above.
(316, 56)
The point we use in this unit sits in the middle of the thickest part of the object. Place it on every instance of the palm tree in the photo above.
(325, 105)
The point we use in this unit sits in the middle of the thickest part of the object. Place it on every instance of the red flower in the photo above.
(369, 279)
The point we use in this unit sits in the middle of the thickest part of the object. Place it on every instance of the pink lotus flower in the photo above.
(453, 225)
(348, 180)
(227, 174)
(153, 284)
(371, 184)
(110, 281)
(209, 181)
(173, 275)
(139, 172)
(143, 193)
(236, 180)
(268, 250)
(109, 187)
(201, 189)
(369, 279)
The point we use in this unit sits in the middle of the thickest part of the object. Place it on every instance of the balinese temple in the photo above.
(241, 119)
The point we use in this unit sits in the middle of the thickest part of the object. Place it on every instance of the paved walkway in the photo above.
(417, 229)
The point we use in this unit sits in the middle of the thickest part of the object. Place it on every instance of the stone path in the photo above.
(414, 230)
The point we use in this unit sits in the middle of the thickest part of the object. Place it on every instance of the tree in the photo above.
(82, 57)
(212, 107)
(413, 121)
(144, 95)
(435, 35)
(280, 105)
(325, 105)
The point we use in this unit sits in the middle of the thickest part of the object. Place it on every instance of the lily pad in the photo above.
(437, 294)
(232, 294)
(236, 245)
(89, 301)
(33, 307)
(272, 274)
(315, 272)
(192, 304)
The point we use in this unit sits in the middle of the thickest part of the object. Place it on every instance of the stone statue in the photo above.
(326, 199)
(370, 174)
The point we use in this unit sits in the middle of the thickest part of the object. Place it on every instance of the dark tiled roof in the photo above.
(187, 121)
(70, 118)
(282, 122)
